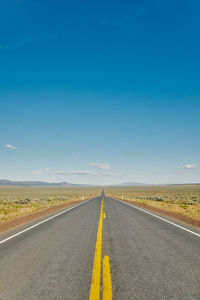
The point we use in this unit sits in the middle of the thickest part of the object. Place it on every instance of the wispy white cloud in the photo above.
(37, 172)
(75, 172)
(110, 174)
(100, 165)
(11, 147)
(48, 171)
(191, 166)
(41, 171)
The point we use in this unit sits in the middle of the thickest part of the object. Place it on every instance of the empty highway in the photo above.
(102, 249)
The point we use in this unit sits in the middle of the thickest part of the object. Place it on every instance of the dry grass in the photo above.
(20, 201)
(181, 199)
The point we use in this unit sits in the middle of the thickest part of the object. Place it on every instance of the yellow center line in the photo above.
(107, 285)
(96, 274)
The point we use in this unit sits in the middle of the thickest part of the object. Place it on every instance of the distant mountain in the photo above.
(146, 184)
(35, 183)
(131, 184)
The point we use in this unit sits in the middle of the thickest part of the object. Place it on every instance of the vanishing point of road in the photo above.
(101, 249)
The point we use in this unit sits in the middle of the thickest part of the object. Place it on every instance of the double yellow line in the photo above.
(96, 274)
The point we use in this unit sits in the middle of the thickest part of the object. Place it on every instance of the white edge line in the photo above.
(156, 216)
(35, 225)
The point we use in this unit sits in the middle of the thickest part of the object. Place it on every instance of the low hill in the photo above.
(132, 184)
(35, 183)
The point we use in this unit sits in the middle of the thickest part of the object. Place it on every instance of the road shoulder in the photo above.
(171, 215)
(26, 219)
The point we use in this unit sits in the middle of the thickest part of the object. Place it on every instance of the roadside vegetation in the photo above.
(20, 201)
(183, 200)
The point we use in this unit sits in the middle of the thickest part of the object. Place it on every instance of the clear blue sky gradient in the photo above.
(111, 82)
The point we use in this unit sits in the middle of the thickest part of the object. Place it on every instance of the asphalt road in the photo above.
(149, 258)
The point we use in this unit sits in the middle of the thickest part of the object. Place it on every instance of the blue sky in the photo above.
(100, 92)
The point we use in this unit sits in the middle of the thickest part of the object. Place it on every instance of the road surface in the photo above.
(129, 253)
